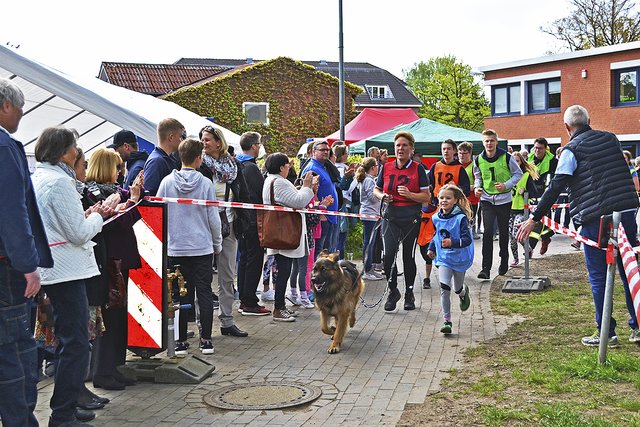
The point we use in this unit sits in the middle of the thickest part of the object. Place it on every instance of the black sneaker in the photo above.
(206, 346)
(409, 301)
(182, 347)
(484, 275)
(392, 300)
(426, 283)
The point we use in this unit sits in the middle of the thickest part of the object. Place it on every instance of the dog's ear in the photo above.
(324, 254)
(334, 257)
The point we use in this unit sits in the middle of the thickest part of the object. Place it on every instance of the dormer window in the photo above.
(379, 92)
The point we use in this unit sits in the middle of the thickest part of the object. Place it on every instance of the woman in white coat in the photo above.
(69, 231)
(286, 194)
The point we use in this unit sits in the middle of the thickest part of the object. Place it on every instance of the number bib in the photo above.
(444, 174)
(394, 177)
(492, 172)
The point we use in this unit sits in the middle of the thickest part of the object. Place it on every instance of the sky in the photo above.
(76, 36)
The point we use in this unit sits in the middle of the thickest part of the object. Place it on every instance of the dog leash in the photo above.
(383, 217)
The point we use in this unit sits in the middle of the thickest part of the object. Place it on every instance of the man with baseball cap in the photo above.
(126, 144)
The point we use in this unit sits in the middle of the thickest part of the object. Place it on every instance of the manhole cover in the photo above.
(267, 395)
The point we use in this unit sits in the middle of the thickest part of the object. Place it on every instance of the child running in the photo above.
(454, 253)
(525, 185)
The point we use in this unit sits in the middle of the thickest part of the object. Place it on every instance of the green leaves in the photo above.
(449, 92)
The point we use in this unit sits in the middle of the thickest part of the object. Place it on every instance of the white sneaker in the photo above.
(370, 276)
(293, 299)
(635, 336)
(306, 303)
(269, 295)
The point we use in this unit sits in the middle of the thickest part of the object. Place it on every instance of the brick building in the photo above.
(528, 97)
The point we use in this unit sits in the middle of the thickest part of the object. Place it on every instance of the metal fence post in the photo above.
(608, 293)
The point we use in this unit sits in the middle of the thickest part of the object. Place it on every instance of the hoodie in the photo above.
(135, 164)
(193, 230)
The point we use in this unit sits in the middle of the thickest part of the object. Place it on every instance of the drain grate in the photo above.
(266, 395)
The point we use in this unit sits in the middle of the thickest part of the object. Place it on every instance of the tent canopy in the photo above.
(96, 109)
(428, 135)
(372, 121)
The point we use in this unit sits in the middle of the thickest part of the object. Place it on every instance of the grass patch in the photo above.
(538, 372)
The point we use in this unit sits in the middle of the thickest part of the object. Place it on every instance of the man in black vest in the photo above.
(594, 170)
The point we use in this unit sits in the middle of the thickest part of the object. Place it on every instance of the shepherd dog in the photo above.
(337, 286)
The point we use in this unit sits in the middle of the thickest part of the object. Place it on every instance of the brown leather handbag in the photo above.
(279, 230)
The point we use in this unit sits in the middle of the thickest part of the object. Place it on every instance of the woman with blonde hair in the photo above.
(369, 205)
(226, 174)
(122, 255)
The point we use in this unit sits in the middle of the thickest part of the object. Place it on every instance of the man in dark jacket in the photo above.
(23, 248)
(593, 167)
(126, 144)
(251, 253)
(162, 159)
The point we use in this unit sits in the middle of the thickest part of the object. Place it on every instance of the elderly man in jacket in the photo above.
(23, 248)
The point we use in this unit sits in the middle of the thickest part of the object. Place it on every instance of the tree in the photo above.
(594, 23)
(448, 92)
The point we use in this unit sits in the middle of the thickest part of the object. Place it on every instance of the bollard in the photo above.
(524, 284)
(608, 292)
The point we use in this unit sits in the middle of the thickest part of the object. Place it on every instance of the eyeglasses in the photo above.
(183, 136)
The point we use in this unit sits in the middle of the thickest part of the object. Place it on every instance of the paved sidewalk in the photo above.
(387, 361)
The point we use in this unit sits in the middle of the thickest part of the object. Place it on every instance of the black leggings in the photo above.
(394, 231)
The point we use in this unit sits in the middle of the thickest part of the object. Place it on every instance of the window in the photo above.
(544, 96)
(506, 100)
(627, 83)
(256, 113)
(379, 92)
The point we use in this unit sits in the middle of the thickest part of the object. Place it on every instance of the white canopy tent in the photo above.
(96, 109)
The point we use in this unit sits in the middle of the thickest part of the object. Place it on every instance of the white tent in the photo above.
(96, 109)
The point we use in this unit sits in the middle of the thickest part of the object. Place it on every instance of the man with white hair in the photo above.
(593, 168)
(23, 248)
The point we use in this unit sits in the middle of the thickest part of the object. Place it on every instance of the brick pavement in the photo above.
(387, 360)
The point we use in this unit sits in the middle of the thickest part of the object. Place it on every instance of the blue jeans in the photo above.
(18, 354)
(368, 245)
(597, 268)
(71, 317)
(328, 238)
(298, 277)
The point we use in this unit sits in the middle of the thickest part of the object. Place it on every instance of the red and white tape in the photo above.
(256, 206)
(575, 235)
(630, 263)
(558, 228)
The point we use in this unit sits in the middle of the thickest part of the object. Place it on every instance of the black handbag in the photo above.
(225, 228)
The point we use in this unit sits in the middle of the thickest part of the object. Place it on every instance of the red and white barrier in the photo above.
(630, 263)
(145, 290)
(255, 206)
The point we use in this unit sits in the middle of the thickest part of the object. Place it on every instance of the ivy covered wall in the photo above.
(303, 102)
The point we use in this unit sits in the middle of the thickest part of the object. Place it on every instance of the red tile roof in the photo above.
(156, 79)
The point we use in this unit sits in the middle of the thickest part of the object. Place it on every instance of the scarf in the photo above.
(224, 169)
(101, 191)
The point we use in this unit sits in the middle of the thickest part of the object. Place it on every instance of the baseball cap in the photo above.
(121, 138)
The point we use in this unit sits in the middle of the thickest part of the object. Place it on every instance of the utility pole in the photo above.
(341, 71)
